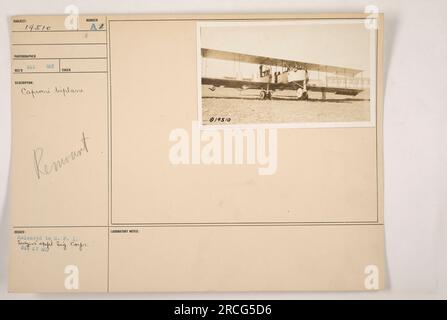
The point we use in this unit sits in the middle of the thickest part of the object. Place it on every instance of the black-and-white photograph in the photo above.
(302, 73)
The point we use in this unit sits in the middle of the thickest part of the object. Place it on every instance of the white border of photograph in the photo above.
(373, 75)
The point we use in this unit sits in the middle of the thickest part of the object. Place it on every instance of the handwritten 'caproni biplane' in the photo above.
(288, 75)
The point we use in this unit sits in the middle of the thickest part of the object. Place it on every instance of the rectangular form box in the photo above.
(321, 163)
(59, 51)
(70, 22)
(34, 65)
(43, 259)
(193, 257)
(51, 38)
(83, 65)
(59, 65)
(59, 160)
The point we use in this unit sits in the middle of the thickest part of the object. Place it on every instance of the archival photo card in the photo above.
(119, 184)
(292, 73)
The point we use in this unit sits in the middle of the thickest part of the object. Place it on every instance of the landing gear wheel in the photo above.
(263, 94)
(305, 96)
(301, 94)
(269, 95)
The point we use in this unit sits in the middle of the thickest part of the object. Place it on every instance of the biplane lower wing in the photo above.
(336, 90)
(255, 59)
(249, 84)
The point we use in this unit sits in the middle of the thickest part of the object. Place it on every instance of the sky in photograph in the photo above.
(343, 43)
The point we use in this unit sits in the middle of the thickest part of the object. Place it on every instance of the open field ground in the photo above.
(244, 107)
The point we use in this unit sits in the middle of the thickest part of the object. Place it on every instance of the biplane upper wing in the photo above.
(248, 58)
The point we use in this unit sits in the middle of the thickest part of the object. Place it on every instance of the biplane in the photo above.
(280, 74)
